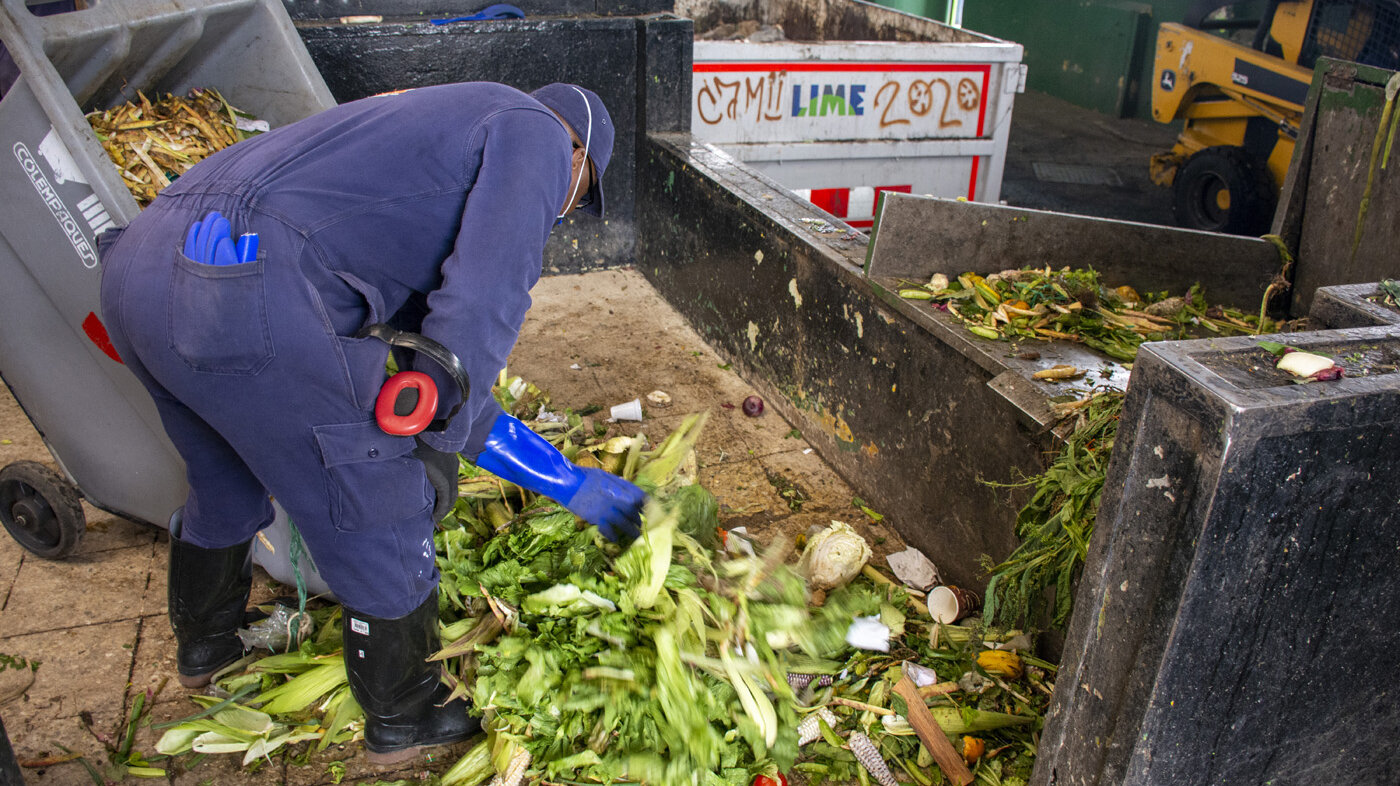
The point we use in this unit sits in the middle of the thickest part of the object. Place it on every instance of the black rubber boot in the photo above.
(207, 593)
(402, 694)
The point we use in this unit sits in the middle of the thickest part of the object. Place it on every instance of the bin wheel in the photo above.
(42, 511)
(1224, 189)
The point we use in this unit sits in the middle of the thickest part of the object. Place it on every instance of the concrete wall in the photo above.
(638, 64)
(1338, 205)
(900, 412)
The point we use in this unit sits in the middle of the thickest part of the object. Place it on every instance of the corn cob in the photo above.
(869, 757)
(515, 771)
(810, 729)
(800, 681)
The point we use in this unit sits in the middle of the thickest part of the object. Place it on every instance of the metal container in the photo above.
(880, 101)
(60, 191)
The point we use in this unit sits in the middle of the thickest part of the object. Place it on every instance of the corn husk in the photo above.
(472, 768)
(305, 689)
(154, 142)
(954, 721)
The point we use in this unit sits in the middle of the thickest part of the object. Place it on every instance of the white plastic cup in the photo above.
(948, 604)
(632, 410)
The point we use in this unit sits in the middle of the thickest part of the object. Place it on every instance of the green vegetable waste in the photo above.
(1073, 304)
(669, 661)
(1054, 528)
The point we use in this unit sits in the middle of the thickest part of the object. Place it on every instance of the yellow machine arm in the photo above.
(1217, 86)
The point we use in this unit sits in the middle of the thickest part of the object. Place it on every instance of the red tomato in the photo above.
(764, 780)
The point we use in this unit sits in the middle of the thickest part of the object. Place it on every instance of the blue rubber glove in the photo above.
(515, 453)
(497, 11)
(210, 242)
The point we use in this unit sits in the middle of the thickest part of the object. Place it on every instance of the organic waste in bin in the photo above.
(96, 418)
(1074, 305)
(152, 143)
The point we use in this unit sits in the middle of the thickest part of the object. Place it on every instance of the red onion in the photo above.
(753, 406)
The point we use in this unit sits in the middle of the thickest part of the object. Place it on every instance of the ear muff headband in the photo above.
(587, 140)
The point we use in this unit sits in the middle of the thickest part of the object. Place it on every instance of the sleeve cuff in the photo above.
(476, 435)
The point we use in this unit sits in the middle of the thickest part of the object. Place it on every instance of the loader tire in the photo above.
(1224, 189)
(42, 511)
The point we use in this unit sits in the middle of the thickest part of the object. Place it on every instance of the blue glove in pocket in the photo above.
(210, 242)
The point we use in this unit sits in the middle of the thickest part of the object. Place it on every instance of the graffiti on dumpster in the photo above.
(753, 99)
(923, 96)
(741, 102)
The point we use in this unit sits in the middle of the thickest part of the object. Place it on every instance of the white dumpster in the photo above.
(839, 121)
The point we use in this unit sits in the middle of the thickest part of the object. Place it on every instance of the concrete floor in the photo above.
(96, 621)
(1054, 143)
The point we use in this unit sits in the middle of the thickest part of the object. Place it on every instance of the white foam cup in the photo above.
(631, 410)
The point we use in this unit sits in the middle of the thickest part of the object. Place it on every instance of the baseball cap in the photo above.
(583, 110)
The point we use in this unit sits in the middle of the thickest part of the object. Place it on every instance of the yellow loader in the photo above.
(1237, 75)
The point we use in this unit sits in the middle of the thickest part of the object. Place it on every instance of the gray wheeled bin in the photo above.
(60, 190)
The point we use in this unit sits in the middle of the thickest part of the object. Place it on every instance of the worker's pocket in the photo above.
(371, 299)
(372, 478)
(365, 363)
(218, 317)
(107, 239)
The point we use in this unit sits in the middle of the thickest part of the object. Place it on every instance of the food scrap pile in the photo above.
(1387, 294)
(1074, 305)
(152, 143)
(689, 656)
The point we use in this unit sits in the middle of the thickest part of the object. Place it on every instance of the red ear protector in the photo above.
(421, 418)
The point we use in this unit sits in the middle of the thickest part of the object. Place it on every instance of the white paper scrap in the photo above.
(914, 569)
(868, 633)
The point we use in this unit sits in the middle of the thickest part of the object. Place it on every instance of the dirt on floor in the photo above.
(96, 625)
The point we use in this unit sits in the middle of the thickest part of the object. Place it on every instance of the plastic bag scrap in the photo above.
(283, 630)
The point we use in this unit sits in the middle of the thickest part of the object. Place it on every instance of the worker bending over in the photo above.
(426, 210)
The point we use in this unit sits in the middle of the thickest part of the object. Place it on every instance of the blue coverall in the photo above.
(428, 209)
